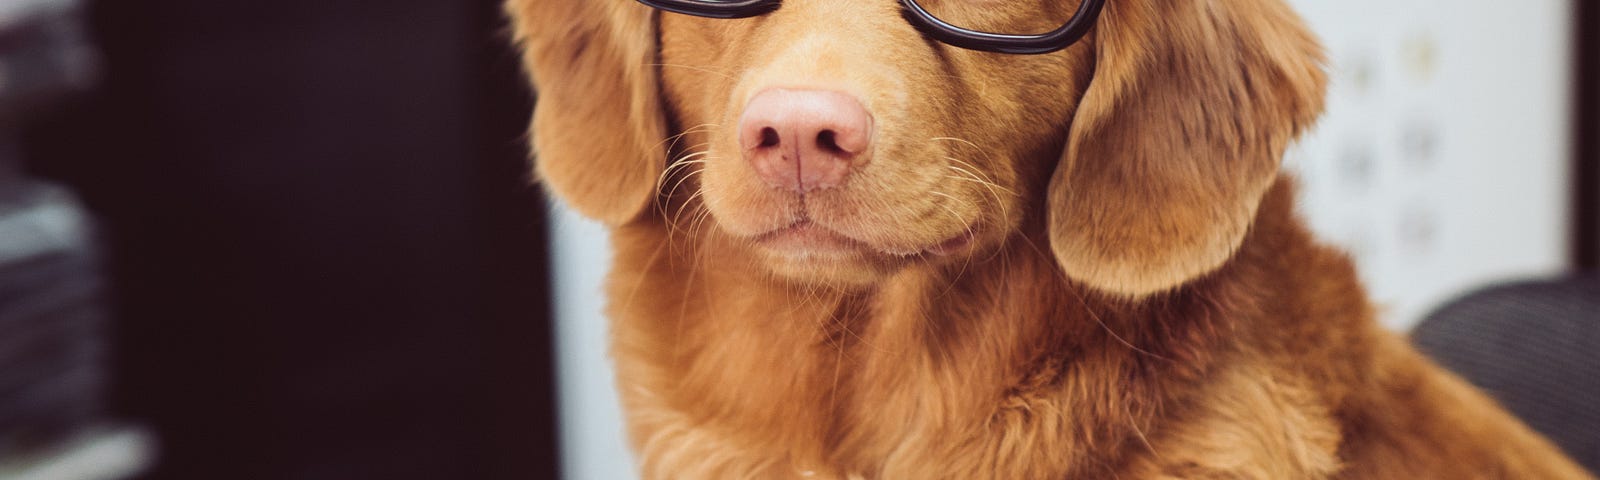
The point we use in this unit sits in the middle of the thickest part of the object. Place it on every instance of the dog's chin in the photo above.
(809, 253)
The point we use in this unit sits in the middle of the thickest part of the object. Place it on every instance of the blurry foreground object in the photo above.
(1535, 347)
(53, 338)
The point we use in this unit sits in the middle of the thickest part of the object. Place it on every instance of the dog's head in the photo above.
(841, 144)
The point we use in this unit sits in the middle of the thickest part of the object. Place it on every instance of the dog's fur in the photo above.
(1138, 299)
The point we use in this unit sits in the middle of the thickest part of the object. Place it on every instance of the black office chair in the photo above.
(1534, 346)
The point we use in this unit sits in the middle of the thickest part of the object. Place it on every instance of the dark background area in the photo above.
(1586, 157)
(329, 262)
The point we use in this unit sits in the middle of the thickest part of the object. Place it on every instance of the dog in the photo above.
(845, 250)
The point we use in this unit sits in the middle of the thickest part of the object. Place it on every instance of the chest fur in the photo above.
(993, 382)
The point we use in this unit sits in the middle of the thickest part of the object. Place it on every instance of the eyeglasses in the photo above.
(925, 22)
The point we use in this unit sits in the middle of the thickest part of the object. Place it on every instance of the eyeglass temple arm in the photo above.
(728, 9)
(1060, 38)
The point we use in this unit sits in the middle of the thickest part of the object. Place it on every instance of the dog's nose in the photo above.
(805, 140)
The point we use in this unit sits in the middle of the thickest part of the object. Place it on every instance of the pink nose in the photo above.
(804, 140)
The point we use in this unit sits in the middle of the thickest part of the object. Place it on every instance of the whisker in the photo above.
(970, 175)
(1005, 211)
(1111, 332)
(673, 139)
(687, 204)
(958, 201)
(983, 151)
(972, 169)
(700, 223)
(682, 163)
(671, 170)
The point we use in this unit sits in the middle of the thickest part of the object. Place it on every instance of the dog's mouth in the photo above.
(805, 239)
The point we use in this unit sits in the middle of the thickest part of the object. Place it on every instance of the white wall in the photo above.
(1442, 161)
(591, 421)
(1441, 164)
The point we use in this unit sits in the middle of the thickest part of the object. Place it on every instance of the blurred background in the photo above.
(322, 255)
(296, 240)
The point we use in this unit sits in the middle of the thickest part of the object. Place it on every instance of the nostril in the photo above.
(828, 140)
(769, 137)
(804, 140)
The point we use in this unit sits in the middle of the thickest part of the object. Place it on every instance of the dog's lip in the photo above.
(805, 237)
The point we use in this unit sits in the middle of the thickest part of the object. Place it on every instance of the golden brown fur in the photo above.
(1138, 301)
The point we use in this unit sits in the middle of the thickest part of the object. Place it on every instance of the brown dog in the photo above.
(846, 251)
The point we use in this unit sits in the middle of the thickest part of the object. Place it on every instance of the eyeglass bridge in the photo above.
(925, 22)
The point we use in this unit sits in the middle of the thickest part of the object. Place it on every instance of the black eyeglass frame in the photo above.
(1084, 19)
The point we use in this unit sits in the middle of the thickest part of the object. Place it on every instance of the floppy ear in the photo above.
(598, 127)
(1178, 137)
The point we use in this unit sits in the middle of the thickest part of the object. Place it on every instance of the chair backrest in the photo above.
(1534, 346)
